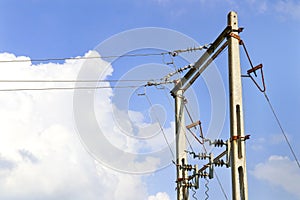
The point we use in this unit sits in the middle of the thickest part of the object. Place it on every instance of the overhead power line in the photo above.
(82, 58)
(172, 53)
(70, 81)
(67, 88)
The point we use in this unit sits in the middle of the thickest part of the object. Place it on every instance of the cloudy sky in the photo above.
(51, 146)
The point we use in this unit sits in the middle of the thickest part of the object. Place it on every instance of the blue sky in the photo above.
(57, 29)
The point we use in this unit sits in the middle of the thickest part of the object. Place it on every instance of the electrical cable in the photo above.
(189, 114)
(68, 81)
(109, 56)
(221, 186)
(168, 97)
(69, 88)
(66, 88)
(83, 58)
(160, 126)
(281, 128)
(189, 129)
(197, 139)
(190, 145)
(194, 193)
(268, 100)
(207, 188)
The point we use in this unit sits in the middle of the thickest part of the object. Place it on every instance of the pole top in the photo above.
(232, 19)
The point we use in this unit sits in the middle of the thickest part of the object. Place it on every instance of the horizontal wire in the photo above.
(67, 88)
(82, 58)
(69, 81)
(110, 56)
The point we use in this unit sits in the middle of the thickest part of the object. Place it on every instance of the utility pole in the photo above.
(181, 158)
(238, 156)
(235, 145)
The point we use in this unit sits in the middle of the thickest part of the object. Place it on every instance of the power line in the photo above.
(67, 88)
(171, 53)
(281, 128)
(72, 88)
(69, 81)
(148, 83)
(82, 58)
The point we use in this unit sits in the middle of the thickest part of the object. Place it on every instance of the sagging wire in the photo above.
(66, 88)
(172, 53)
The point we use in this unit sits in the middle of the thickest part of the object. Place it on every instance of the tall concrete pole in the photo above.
(181, 157)
(238, 156)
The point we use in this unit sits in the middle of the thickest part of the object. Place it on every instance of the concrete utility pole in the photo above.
(236, 144)
(181, 158)
(238, 156)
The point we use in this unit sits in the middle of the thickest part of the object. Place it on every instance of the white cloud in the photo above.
(159, 196)
(259, 5)
(288, 8)
(284, 9)
(279, 171)
(41, 156)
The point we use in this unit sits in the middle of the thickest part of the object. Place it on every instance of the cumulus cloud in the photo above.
(159, 196)
(279, 171)
(41, 156)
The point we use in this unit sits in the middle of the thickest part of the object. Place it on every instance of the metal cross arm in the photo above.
(203, 62)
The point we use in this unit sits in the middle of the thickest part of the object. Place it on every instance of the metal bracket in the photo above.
(235, 36)
(253, 70)
(237, 137)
